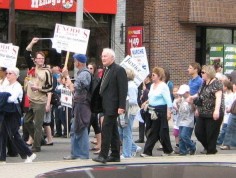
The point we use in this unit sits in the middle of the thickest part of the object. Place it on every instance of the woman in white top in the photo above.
(11, 118)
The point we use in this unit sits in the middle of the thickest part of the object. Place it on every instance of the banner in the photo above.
(71, 39)
(8, 55)
(134, 38)
(91, 6)
(229, 58)
(216, 54)
(66, 97)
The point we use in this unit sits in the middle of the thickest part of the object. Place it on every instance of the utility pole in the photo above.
(79, 22)
(79, 13)
(11, 23)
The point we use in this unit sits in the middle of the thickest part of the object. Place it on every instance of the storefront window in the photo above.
(31, 24)
(217, 36)
(234, 36)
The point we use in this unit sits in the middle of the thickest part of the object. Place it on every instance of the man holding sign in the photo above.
(81, 109)
(38, 83)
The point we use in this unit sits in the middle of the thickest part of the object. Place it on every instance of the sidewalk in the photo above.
(21, 170)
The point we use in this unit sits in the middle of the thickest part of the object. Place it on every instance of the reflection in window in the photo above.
(234, 36)
(217, 36)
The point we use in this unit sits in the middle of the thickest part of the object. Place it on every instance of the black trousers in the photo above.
(207, 131)
(10, 127)
(94, 123)
(158, 132)
(110, 137)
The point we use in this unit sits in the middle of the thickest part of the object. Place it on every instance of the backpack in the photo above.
(94, 96)
(55, 100)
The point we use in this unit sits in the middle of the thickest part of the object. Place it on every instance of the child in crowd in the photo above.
(175, 115)
(229, 99)
(61, 114)
(186, 121)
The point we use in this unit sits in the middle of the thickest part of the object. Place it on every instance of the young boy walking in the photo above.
(186, 123)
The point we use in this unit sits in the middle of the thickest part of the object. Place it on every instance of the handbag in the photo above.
(153, 113)
(233, 107)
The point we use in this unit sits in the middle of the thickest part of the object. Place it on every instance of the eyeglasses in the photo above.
(203, 72)
(8, 73)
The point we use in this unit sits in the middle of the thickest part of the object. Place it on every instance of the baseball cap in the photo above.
(183, 89)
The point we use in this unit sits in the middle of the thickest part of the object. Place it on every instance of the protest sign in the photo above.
(140, 73)
(69, 38)
(140, 56)
(66, 97)
(8, 55)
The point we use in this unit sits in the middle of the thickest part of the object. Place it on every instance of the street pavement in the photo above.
(51, 158)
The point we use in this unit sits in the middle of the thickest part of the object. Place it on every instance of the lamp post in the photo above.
(11, 23)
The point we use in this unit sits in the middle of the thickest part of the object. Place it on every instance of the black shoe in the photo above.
(49, 144)
(57, 135)
(43, 142)
(139, 141)
(35, 149)
(12, 155)
(100, 159)
(113, 159)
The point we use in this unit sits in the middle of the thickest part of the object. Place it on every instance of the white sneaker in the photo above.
(168, 154)
(122, 157)
(144, 155)
(30, 159)
(138, 150)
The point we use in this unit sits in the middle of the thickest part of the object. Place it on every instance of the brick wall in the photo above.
(210, 12)
(170, 29)
(171, 45)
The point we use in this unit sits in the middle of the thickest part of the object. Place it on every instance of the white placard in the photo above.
(140, 55)
(8, 55)
(66, 97)
(71, 39)
(140, 73)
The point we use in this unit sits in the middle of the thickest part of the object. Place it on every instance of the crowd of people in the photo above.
(109, 103)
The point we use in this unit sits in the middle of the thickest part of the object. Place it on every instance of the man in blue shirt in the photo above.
(196, 81)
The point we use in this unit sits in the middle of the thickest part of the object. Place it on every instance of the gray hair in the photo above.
(15, 70)
(110, 52)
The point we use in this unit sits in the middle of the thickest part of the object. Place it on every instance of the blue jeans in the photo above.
(185, 142)
(127, 139)
(79, 143)
(221, 136)
(230, 134)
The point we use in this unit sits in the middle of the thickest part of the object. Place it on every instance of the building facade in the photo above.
(179, 32)
(37, 18)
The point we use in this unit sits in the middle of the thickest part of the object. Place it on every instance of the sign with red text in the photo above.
(8, 55)
(69, 38)
(91, 6)
(66, 97)
(134, 37)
